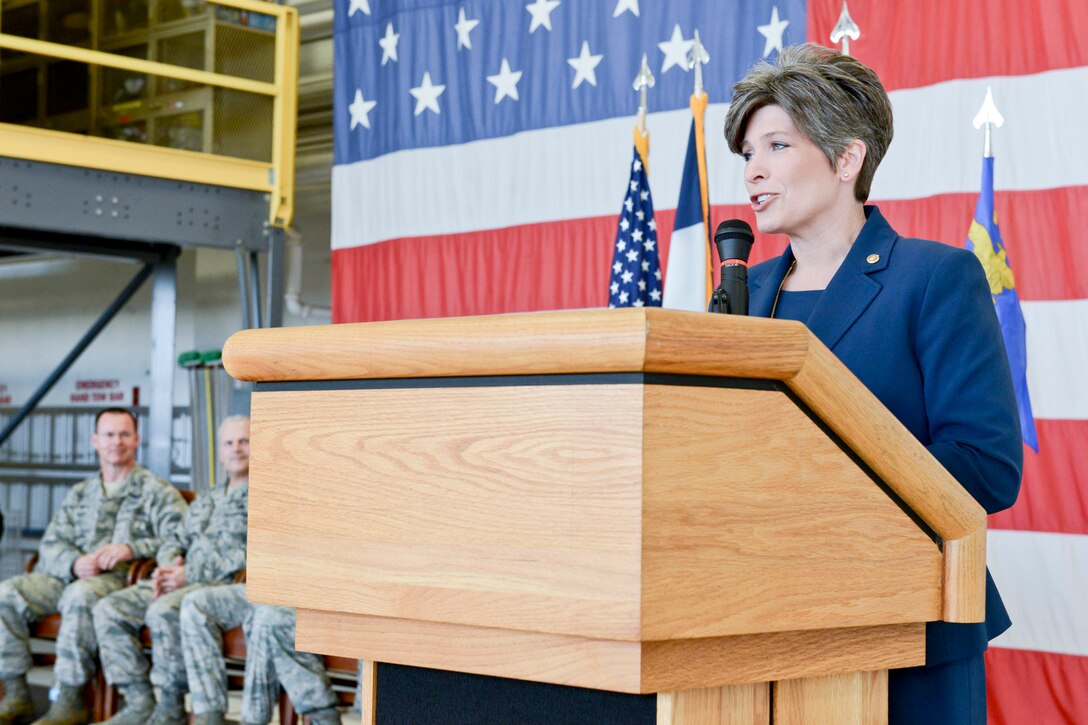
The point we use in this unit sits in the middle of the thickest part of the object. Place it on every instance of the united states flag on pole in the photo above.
(636, 271)
(504, 199)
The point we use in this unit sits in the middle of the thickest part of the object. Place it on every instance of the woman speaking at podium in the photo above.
(912, 319)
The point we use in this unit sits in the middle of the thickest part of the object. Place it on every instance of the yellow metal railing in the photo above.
(230, 140)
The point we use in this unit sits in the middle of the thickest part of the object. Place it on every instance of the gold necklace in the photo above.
(781, 285)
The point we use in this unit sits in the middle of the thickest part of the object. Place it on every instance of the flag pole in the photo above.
(697, 58)
(989, 117)
(845, 30)
(643, 81)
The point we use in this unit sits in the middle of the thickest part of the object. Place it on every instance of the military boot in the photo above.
(139, 701)
(170, 710)
(67, 709)
(324, 716)
(16, 708)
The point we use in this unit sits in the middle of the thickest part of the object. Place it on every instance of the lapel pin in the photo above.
(873, 258)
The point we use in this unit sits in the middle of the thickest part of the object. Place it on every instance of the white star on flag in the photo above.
(617, 267)
(772, 31)
(636, 235)
(628, 204)
(363, 5)
(675, 50)
(648, 244)
(632, 256)
(624, 5)
(584, 66)
(624, 224)
(505, 82)
(541, 10)
(464, 26)
(426, 95)
(621, 245)
(624, 295)
(638, 165)
(627, 277)
(655, 295)
(360, 110)
(389, 44)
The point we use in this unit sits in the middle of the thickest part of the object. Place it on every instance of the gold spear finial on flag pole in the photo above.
(697, 58)
(644, 80)
(845, 30)
(989, 117)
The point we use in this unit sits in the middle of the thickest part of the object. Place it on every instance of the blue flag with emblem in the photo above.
(635, 279)
(984, 239)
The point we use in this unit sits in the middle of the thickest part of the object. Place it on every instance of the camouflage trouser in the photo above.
(30, 597)
(205, 615)
(270, 641)
(117, 621)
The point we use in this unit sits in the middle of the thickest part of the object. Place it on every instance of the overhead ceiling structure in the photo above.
(142, 130)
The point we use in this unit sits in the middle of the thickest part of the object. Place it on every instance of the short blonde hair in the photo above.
(831, 98)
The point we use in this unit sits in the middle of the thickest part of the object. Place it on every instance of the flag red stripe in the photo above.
(1054, 495)
(556, 265)
(559, 265)
(1046, 252)
(1003, 38)
(1040, 687)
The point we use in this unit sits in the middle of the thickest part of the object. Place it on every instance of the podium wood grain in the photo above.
(653, 341)
(602, 511)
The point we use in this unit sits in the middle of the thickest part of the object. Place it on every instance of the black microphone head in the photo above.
(734, 240)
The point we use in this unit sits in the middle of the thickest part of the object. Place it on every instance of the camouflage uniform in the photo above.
(273, 661)
(270, 638)
(143, 513)
(213, 541)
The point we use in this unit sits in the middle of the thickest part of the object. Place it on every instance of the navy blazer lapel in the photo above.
(853, 289)
(762, 289)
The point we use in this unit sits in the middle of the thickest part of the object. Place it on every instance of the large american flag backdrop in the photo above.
(483, 151)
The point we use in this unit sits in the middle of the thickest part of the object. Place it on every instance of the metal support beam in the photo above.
(164, 297)
(276, 281)
(255, 290)
(84, 342)
(241, 261)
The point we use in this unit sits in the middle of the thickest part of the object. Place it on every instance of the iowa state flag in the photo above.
(480, 146)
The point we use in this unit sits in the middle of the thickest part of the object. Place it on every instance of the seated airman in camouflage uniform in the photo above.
(271, 659)
(121, 513)
(213, 541)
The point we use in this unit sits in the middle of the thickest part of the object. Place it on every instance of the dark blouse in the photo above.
(797, 305)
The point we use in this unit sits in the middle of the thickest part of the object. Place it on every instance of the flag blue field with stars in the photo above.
(424, 73)
(636, 266)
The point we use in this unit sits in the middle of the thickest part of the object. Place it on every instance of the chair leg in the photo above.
(288, 716)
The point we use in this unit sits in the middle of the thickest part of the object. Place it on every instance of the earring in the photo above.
(846, 175)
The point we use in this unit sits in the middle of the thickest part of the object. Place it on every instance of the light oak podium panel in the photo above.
(634, 501)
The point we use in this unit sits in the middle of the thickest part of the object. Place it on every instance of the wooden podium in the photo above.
(708, 508)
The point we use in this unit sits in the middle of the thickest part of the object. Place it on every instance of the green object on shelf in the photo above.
(210, 357)
(189, 359)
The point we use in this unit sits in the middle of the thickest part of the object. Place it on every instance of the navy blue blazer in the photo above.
(917, 326)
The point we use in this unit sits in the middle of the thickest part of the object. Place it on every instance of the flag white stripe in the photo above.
(1043, 584)
(1057, 337)
(527, 178)
(686, 269)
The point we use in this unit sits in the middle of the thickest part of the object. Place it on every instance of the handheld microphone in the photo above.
(734, 240)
